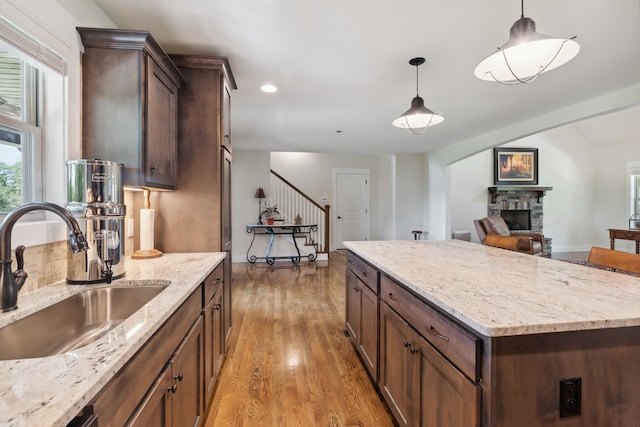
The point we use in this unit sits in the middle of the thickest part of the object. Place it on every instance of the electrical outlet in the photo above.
(570, 397)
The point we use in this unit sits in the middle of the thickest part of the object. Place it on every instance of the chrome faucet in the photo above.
(13, 281)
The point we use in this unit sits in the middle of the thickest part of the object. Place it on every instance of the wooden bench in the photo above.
(616, 260)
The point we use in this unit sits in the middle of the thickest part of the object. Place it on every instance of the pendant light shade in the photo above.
(526, 54)
(417, 119)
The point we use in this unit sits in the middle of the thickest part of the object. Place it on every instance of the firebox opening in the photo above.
(517, 220)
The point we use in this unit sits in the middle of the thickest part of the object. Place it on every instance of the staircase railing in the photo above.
(292, 202)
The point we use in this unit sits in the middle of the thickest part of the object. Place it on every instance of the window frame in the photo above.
(633, 181)
(31, 109)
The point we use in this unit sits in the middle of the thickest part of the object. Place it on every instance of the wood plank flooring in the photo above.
(290, 363)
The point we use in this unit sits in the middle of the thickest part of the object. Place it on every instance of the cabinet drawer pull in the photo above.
(364, 273)
(406, 344)
(173, 388)
(392, 297)
(414, 350)
(179, 377)
(217, 307)
(435, 332)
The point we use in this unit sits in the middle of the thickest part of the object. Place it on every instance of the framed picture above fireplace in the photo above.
(514, 166)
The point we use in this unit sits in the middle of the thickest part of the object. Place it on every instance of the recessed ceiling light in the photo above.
(268, 88)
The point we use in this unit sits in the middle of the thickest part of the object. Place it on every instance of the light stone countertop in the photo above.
(497, 292)
(50, 391)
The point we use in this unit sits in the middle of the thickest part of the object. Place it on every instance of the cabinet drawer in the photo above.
(364, 271)
(461, 347)
(212, 283)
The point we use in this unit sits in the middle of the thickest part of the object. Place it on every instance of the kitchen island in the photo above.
(501, 338)
(50, 391)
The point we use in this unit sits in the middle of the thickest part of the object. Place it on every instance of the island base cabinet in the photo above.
(448, 398)
(523, 385)
(362, 321)
(421, 387)
(396, 365)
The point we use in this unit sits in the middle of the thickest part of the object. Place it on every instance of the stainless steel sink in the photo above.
(73, 322)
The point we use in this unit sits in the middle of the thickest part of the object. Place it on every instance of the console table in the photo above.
(272, 230)
(622, 234)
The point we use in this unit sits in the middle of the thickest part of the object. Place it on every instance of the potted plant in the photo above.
(269, 213)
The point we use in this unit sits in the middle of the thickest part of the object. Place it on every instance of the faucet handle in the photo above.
(20, 257)
(20, 276)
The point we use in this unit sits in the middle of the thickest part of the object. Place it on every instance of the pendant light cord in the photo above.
(417, 89)
(521, 9)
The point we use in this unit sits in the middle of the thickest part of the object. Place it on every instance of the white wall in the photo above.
(312, 173)
(437, 162)
(469, 179)
(249, 170)
(385, 208)
(589, 188)
(611, 209)
(409, 188)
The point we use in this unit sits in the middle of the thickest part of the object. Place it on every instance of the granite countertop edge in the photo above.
(51, 391)
(534, 295)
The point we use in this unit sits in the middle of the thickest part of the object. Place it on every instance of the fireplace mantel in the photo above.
(541, 191)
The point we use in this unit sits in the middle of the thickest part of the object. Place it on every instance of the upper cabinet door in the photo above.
(226, 117)
(160, 144)
(129, 105)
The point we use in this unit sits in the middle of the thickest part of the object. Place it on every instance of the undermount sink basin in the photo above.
(74, 322)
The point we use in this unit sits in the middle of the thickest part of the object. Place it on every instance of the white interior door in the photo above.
(351, 194)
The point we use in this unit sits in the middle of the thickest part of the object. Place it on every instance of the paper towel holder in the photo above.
(146, 251)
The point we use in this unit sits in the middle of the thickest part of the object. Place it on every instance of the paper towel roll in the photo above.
(146, 229)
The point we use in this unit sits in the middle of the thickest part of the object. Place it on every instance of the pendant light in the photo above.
(526, 54)
(418, 118)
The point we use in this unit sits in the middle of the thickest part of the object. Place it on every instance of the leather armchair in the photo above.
(528, 242)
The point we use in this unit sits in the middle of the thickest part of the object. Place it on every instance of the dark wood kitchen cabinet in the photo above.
(164, 380)
(214, 339)
(425, 365)
(362, 311)
(129, 105)
(197, 217)
(176, 398)
(421, 387)
(226, 242)
(418, 377)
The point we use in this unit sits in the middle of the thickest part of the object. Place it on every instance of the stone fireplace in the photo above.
(521, 207)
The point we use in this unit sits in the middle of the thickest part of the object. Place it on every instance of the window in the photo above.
(633, 172)
(635, 192)
(20, 136)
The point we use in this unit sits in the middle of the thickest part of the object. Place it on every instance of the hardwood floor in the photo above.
(290, 363)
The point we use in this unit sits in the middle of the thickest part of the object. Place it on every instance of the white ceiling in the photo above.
(342, 65)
